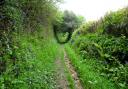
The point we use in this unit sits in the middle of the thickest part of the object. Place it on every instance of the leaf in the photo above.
(121, 84)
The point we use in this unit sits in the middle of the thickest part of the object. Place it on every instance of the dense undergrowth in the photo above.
(87, 72)
(103, 46)
(27, 47)
(108, 55)
(34, 68)
(113, 23)
(28, 50)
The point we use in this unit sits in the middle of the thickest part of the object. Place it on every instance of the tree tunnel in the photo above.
(67, 31)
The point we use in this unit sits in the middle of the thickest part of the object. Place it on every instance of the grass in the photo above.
(70, 79)
(35, 65)
(36, 56)
(89, 77)
(66, 70)
(41, 75)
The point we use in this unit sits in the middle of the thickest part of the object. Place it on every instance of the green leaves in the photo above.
(110, 52)
(115, 23)
(21, 61)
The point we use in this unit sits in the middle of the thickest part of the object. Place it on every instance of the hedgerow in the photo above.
(106, 42)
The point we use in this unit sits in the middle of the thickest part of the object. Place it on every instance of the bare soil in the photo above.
(72, 72)
(61, 79)
(62, 82)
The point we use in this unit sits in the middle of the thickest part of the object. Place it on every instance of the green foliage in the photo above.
(110, 52)
(105, 41)
(71, 20)
(103, 44)
(66, 22)
(114, 23)
(67, 19)
(34, 66)
(88, 72)
(22, 64)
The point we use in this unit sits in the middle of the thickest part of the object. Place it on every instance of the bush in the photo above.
(116, 23)
(110, 51)
(106, 42)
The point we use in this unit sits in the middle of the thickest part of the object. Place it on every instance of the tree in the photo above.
(67, 21)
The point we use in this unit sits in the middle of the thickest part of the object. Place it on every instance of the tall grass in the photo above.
(89, 77)
(35, 67)
(105, 41)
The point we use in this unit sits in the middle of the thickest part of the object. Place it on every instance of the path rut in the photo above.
(61, 79)
(72, 72)
(62, 82)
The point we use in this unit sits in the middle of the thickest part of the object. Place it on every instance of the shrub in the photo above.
(116, 23)
(110, 51)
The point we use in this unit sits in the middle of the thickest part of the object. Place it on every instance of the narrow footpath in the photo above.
(72, 72)
(61, 79)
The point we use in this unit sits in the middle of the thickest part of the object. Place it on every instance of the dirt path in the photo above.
(72, 72)
(62, 82)
(61, 79)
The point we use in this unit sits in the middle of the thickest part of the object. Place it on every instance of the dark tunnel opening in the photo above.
(68, 30)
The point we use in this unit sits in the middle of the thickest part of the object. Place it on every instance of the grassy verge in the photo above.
(70, 80)
(34, 67)
(89, 77)
(41, 63)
